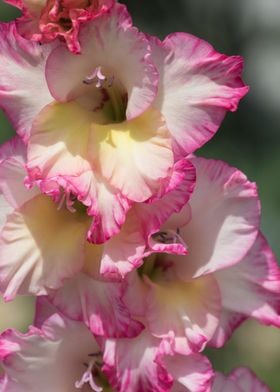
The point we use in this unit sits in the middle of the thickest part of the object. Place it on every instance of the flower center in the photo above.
(93, 376)
(114, 97)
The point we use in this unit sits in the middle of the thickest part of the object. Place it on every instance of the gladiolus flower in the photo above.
(140, 253)
(42, 242)
(112, 122)
(146, 369)
(180, 296)
(59, 354)
(55, 355)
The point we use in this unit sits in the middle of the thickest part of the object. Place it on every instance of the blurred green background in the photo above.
(248, 139)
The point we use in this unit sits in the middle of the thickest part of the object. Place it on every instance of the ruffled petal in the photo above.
(112, 43)
(130, 365)
(58, 157)
(23, 88)
(37, 254)
(124, 252)
(139, 236)
(105, 203)
(28, 263)
(98, 304)
(197, 86)
(44, 21)
(59, 142)
(225, 219)
(64, 21)
(250, 288)
(168, 209)
(106, 167)
(187, 319)
(191, 373)
(47, 359)
(134, 156)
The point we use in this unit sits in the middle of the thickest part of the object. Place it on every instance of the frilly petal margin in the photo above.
(126, 250)
(167, 206)
(106, 204)
(98, 304)
(197, 86)
(137, 371)
(225, 218)
(23, 88)
(249, 289)
(185, 321)
(146, 219)
(145, 369)
(46, 252)
(49, 356)
(44, 21)
(36, 254)
(107, 176)
(191, 373)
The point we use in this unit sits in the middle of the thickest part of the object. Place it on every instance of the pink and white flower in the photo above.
(197, 87)
(178, 296)
(112, 122)
(239, 380)
(100, 304)
(59, 354)
(43, 243)
(45, 20)
(145, 369)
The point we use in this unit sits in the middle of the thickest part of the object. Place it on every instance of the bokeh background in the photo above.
(248, 139)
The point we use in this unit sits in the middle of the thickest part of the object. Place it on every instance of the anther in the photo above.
(96, 77)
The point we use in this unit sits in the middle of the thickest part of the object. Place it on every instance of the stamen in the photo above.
(61, 201)
(70, 202)
(96, 77)
(66, 201)
(87, 377)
